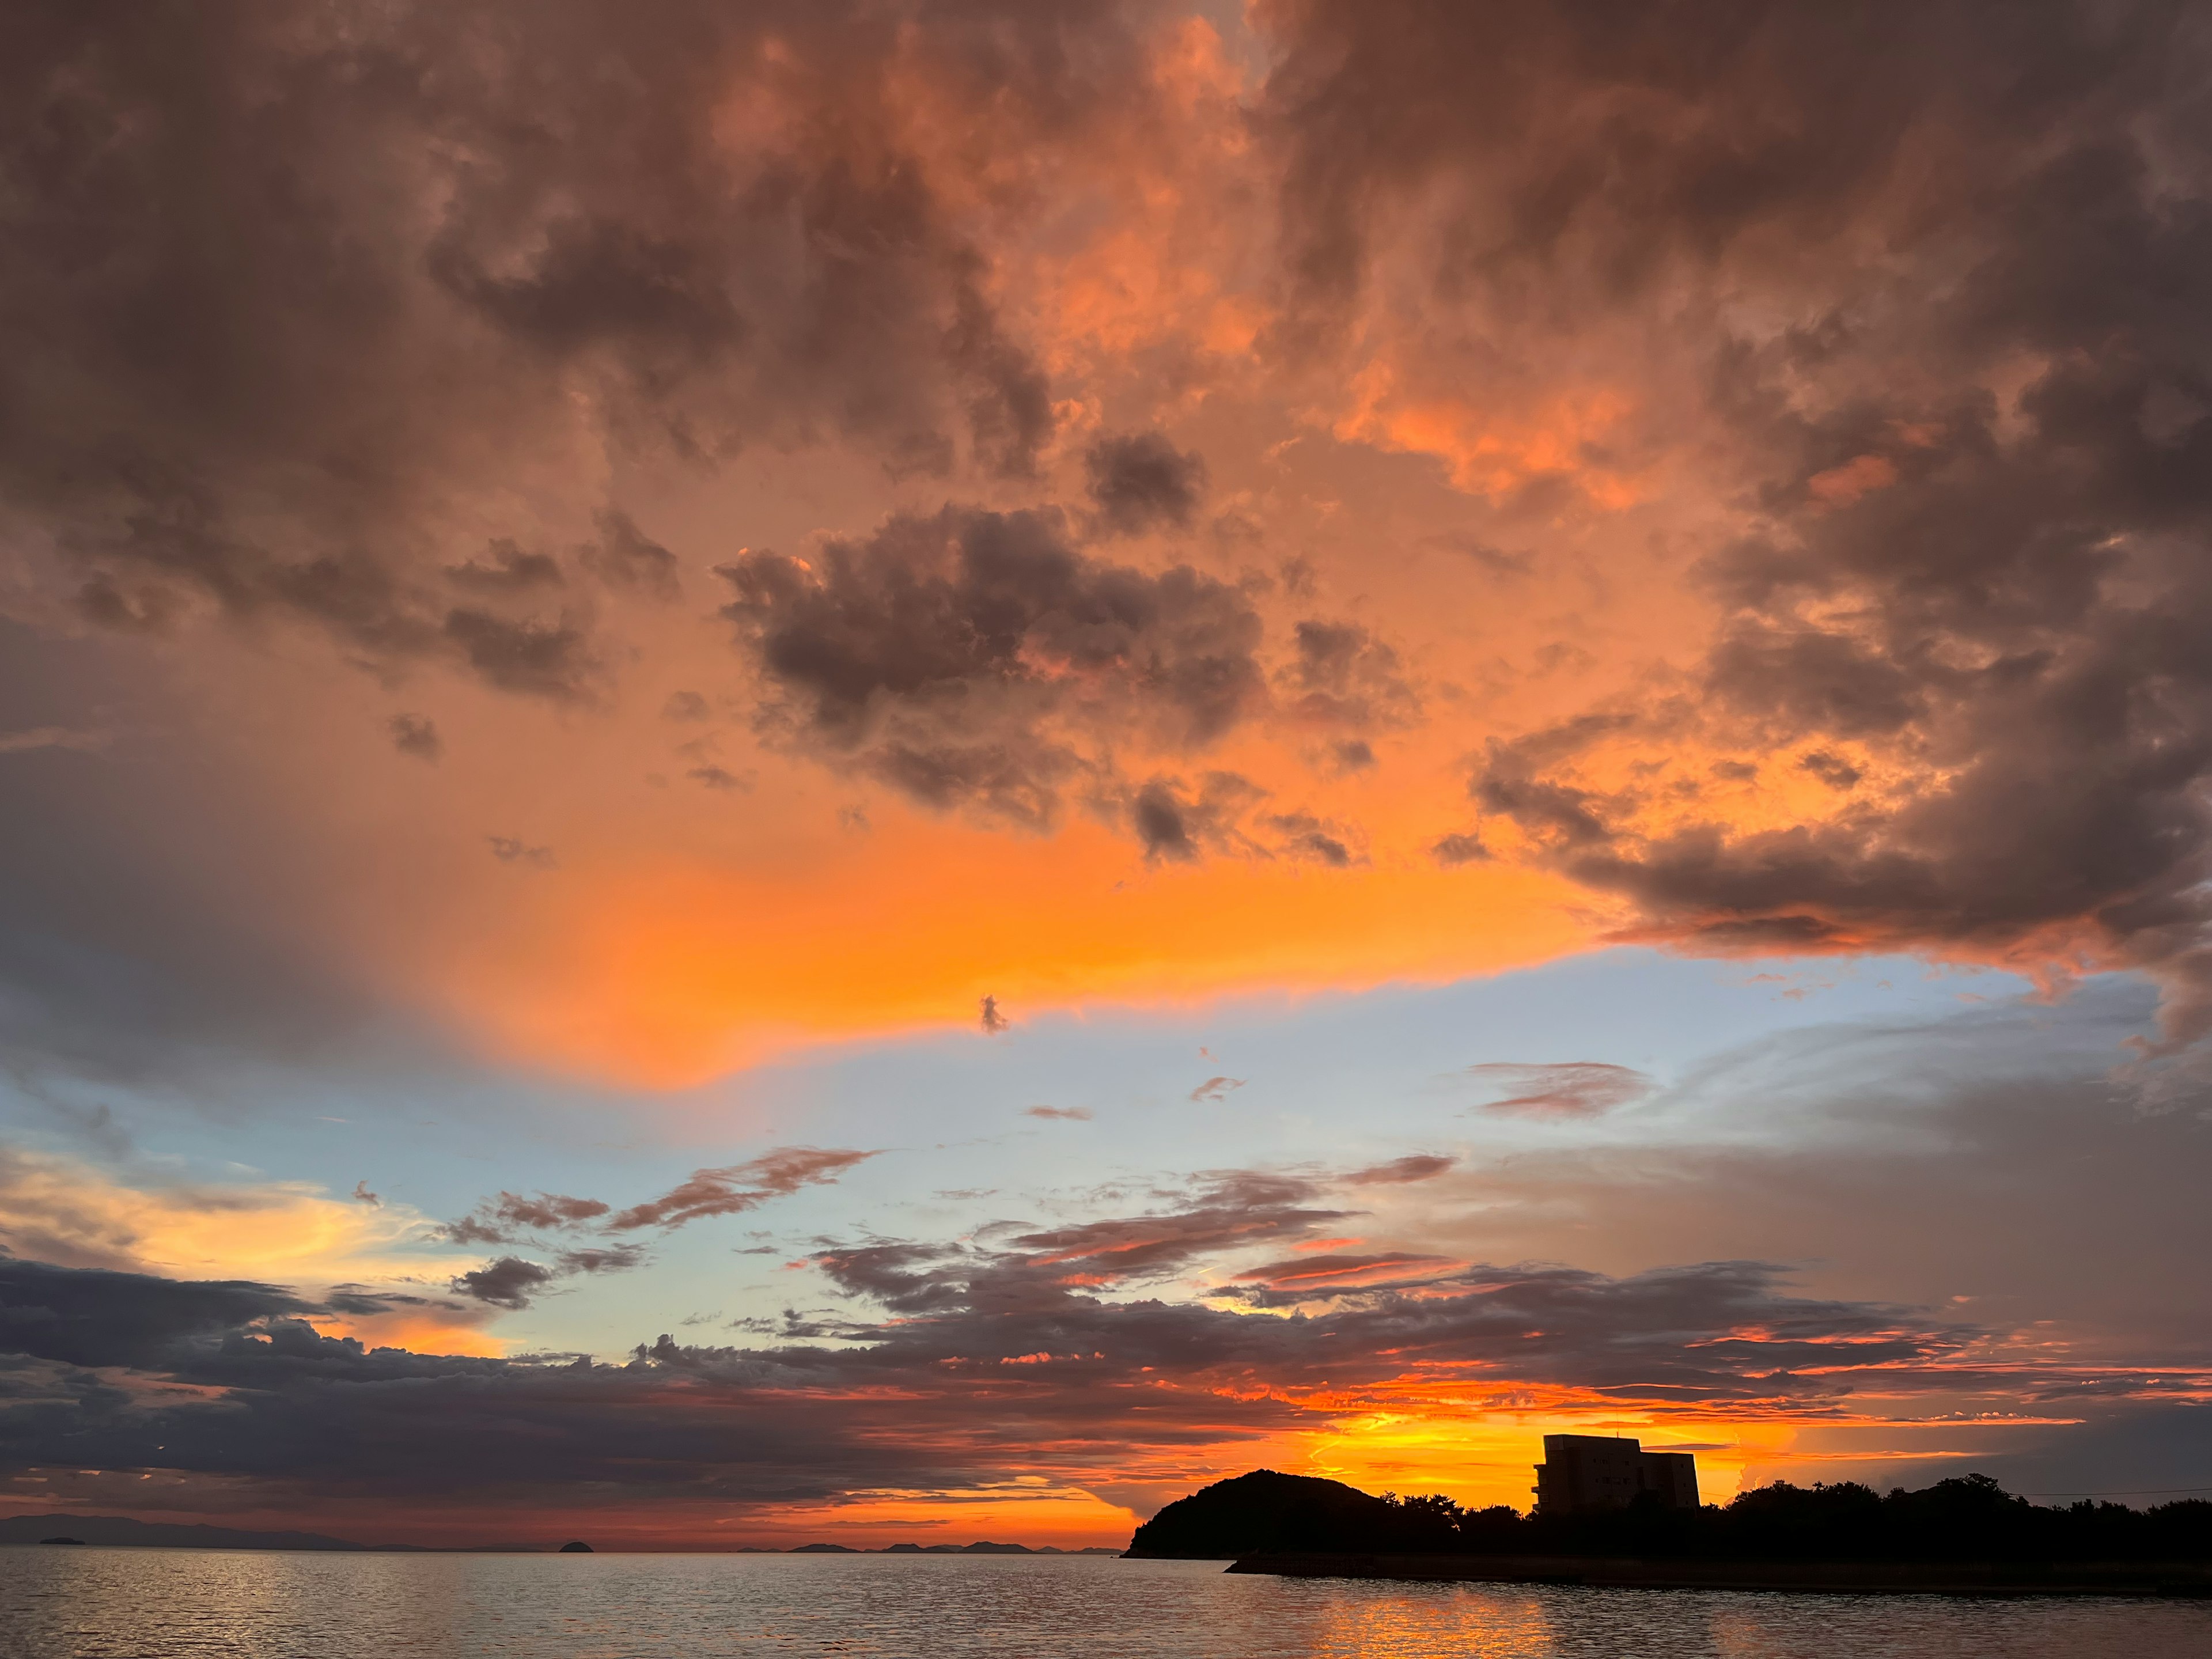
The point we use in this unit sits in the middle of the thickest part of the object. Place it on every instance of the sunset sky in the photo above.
(868, 769)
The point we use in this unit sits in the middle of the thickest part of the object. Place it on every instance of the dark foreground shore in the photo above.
(2187, 1579)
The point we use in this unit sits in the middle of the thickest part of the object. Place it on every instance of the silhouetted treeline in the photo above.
(1968, 1519)
(1971, 1518)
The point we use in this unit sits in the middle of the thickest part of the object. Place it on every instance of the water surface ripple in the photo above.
(182, 1604)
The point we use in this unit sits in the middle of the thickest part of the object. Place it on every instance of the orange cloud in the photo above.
(1493, 450)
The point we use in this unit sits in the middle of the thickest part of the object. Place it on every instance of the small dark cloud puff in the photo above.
(716, 777)
(509, 849)
(1831, 769)
(1457, 849)
(510, 1282)
(1141, 482)
(990, 1018)
(597, 1259)
(685, 707)
(504, 1219)
(415, 735)
(1216, 1089)
(1315, 840)
(627, 561)
(549, 659)
(1342, 674)
(1177, 825)
(506, 569)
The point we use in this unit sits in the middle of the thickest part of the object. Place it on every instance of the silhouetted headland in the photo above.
(576, 1547)
(1966, 1535)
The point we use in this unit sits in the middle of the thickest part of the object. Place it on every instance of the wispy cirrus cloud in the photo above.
(552, 1220)
(1568, 1089)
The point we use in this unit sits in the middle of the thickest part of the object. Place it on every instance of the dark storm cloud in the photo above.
(85, 1316)
(1142, 482)
(1622, 144)
(1978, 462)
(288, 284)
(979, 659)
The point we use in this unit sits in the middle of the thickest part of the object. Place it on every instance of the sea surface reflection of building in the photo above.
(1582, 1472)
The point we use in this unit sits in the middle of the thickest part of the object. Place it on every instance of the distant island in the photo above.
(111, 1531)
(1966, 1535)
(982, 1548)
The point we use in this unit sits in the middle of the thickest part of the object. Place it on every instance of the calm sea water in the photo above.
(179, 1604)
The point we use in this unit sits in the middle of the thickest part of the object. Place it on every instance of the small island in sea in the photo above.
(1966, 1535)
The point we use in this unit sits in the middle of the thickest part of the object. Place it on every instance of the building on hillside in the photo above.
(1583, 1472)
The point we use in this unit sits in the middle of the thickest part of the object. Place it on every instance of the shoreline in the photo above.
(2182, 1580)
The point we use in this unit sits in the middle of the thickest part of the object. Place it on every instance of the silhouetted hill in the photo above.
(1969, 1518)
(1266, 1511)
